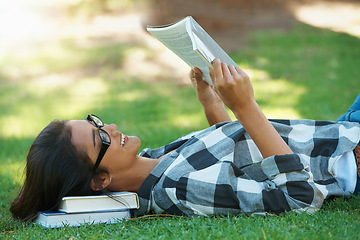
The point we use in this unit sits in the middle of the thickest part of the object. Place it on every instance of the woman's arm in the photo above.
(214, 108)
(235, 90)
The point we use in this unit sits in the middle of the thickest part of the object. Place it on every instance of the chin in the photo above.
(136, 140)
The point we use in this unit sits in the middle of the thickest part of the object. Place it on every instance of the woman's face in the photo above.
(121, 153)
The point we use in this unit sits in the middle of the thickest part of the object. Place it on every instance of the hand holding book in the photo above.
(205, 92)
(213, 106)
(232, 85)
(234, 88)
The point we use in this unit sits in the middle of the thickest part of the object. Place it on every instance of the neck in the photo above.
(133, 178)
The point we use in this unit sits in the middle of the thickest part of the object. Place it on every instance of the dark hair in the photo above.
(54, 169)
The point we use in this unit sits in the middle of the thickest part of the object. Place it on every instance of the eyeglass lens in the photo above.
(97, 121)
(104, 136)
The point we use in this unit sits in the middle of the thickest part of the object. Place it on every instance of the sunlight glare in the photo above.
(14, 171)
(337, 16)
(187, 120)
(84, 94)
(87, 93)
(131, 96)
(19, 24)
(278, 92)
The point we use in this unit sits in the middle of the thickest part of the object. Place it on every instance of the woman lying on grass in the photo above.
(252, 166)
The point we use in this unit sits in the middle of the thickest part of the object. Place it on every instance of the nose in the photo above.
(110, 128)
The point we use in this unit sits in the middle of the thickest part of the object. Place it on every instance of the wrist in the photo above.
(216, 113)
(212, 104)
(245, 110)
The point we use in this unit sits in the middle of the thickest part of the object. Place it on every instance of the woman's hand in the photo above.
(205, 92)
(234, 88)
(213, 106)
(232, 85)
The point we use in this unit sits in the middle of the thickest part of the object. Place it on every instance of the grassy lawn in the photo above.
(306, 73)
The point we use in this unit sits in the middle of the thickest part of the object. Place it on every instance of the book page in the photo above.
(177, 39)
(206, 46)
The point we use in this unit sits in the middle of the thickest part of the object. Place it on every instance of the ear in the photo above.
(101, 181)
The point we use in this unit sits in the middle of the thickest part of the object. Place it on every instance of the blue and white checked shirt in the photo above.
(220, 170)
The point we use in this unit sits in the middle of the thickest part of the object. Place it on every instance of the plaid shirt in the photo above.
(220, 170)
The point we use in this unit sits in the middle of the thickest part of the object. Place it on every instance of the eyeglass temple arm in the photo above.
(103, 149)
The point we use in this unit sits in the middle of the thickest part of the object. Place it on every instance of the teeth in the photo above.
(122, 139)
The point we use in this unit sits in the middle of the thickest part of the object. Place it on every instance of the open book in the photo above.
(187, 39)
(117, 201)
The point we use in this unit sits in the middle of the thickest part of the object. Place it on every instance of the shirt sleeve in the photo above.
(290, 185)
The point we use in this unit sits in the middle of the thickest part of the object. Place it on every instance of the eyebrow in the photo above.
(93, 133)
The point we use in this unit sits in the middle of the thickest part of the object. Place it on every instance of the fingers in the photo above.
(198, 73)
(192, 77)
(199, 78)
(222, 70)
(195, 75)
(212, 75)
(217, 70)
(219, 73)
(238, 69)
(194, 72)
(226, 73)
(241, 72)
(191, 74)
(232, 70)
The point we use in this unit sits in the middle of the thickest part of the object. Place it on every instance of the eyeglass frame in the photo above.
(104, 143)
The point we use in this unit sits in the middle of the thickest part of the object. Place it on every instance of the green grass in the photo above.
(304, 73)
(338, 220)
(315, 71)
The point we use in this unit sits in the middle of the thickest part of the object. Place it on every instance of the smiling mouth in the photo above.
(123, 140)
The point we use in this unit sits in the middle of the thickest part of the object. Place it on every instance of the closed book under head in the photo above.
(117, 201)
(61, 219)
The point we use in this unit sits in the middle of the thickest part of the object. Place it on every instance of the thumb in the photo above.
(199, 76)
(197, 73)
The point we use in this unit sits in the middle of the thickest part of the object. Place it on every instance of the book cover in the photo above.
(61, 219)
(117, 201)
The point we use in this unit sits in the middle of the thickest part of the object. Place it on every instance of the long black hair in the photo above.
(54, 169)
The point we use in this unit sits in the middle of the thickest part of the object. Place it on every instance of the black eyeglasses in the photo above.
(104, 136)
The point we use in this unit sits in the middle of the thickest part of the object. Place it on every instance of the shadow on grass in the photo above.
(325, 64)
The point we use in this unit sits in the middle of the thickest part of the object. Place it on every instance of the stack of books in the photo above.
(74, 211)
